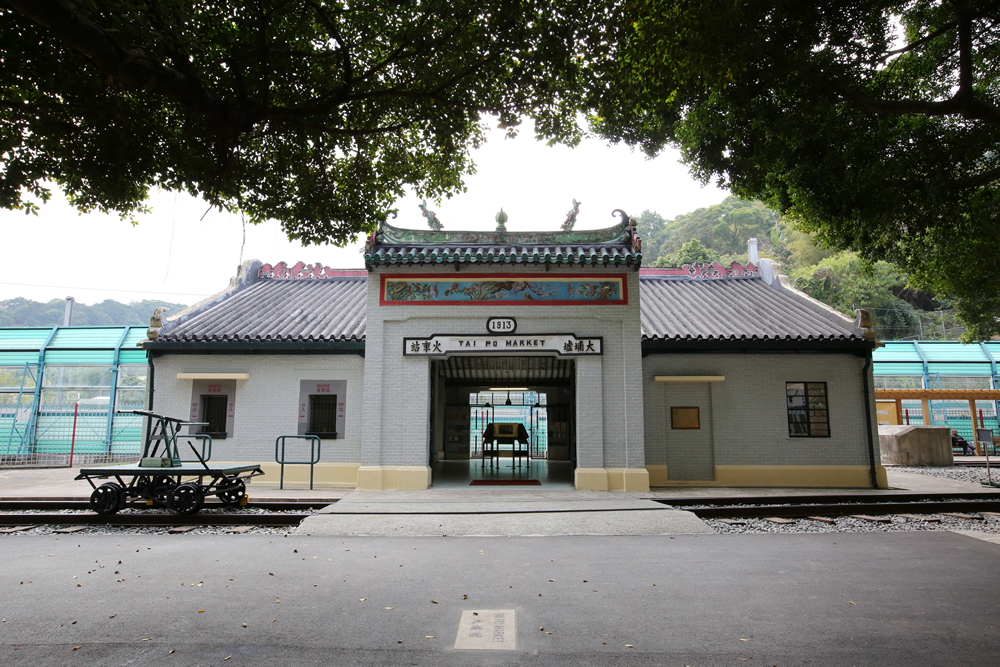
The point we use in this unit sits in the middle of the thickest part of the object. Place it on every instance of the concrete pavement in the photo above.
(510, 512)
(819, 599)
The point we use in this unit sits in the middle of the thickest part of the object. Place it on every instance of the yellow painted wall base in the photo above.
(394, 478)
(325, 475)
(590, 479)
(628, 479)
(611, 479)
(778, 476)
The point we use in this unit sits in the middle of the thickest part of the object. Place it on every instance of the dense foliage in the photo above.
(841, 279)
(316, 113)
(874, 123)
(25, 313)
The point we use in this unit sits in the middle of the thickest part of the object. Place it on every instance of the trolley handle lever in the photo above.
(191, 445)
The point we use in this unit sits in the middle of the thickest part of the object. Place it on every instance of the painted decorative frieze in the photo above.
(500, 289)
(282, 271)
(707, 270)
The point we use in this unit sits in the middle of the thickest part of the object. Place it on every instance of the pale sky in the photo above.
(175, 256)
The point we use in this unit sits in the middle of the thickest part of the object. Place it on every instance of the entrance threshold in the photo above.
(550, 475)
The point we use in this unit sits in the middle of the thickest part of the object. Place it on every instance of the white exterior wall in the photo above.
(267, 405)
(609, 388)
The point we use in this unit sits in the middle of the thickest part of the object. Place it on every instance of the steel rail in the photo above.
(55, 505)
(845, 509)
(829, 499)
(90, 519)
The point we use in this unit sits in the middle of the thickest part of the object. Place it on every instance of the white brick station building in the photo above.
(624, 377)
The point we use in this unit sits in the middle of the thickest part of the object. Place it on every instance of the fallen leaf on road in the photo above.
(244, 625)
(227, 657)
(465, 597)
(171, 651)
(849, 602)
(201, 611)
(362, 599)
(744, 640)
(629, 646)
(434, 601)
(428, 636)
(77, 648)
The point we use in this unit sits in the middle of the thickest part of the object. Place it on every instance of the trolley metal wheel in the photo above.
(234, 494)
(107, 498)
(187, 498)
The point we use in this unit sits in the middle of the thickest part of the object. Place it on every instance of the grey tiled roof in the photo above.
(672, 309)
(603, 254)
(733, 309)
(331, 309)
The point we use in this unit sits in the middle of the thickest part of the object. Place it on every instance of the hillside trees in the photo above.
(312, 112)
(846, 283)
(22, 312)
(874, 122)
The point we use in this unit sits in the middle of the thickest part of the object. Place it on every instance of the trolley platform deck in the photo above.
(180, 485)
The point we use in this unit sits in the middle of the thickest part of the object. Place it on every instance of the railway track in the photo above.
(804, 506)
(36, 513)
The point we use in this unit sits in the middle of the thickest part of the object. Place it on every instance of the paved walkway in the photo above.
(512, 511)
(810, 599)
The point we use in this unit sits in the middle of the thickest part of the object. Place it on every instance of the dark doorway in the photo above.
(470, 394)
(213, 411)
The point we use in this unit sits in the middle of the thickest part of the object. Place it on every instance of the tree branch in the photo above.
(130, 68)
(922, 40)
(966, 106)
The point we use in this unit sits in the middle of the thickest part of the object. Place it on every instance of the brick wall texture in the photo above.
(267, 403)
(744, 420)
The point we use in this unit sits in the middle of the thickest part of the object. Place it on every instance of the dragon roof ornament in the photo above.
(571, 216)
(432, 218)
(622, 232)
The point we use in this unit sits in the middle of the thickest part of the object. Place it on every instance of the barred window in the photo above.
(808, 411)
(323, 415)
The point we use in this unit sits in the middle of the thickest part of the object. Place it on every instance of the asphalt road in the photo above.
(827, 599)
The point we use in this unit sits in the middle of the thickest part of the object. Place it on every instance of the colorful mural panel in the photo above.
(493, 289)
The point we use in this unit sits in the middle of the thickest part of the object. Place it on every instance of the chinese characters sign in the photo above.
(561, 344)
(484, 629)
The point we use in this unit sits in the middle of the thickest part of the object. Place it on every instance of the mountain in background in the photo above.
(24, 313)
